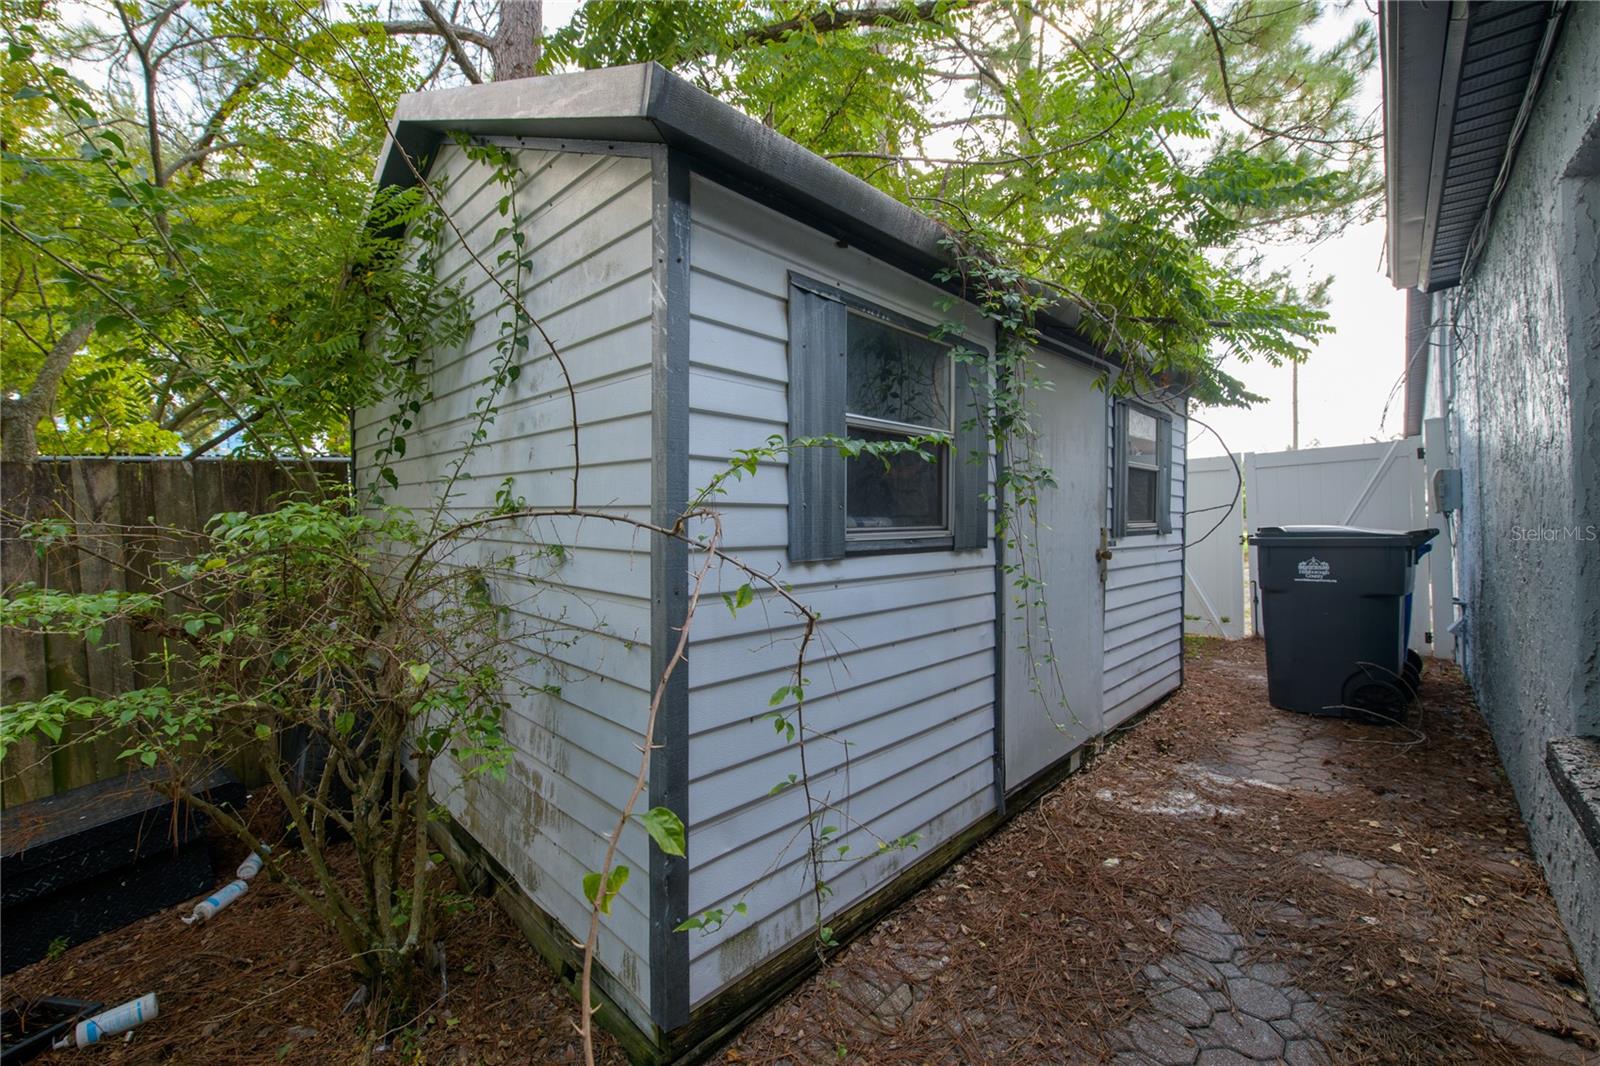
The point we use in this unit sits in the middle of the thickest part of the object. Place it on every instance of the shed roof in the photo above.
(648, 103)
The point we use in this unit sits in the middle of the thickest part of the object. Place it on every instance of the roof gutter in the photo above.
(1455, 46)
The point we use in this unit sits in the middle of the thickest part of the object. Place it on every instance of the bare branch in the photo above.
(427, 28)
(207, 142)
(452, 41)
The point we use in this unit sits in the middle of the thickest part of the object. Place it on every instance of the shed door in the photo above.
(1040, 725)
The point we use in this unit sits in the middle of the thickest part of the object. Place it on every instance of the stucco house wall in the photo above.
(1517, 376)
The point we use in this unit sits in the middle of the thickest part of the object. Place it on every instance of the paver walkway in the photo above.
(1228, 884)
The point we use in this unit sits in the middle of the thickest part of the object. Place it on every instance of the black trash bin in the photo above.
(1336, 607)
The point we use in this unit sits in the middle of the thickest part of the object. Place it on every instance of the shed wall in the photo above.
(1144, 594)
(902, 680)
(587, 220)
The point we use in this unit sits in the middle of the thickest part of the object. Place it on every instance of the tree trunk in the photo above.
(517, 42)
(19, 417)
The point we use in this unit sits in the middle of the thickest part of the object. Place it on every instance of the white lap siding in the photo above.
(587, 220)
(902, 676)
(1144, 597)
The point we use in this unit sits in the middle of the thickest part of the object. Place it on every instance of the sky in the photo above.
(1351, 373)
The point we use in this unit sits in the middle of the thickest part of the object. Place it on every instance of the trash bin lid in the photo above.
(1414, 538)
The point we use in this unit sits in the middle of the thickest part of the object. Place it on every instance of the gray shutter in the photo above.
(817, 353)
(1164, 479)
(1119, 471)
(969, 477)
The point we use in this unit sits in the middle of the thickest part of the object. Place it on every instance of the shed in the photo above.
(711, 284)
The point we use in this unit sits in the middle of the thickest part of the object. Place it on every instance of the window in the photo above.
(1142, 492)
(861, 371)
(897, 387)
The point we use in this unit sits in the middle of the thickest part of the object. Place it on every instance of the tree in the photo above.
(188, 246)
(1127, 156)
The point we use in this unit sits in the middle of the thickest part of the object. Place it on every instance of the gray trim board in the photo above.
(635, 149)
(1419, 324)
(1000, 616)
(669, 581)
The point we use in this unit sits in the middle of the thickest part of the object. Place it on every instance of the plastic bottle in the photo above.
(112, 1022)
(251, 866)
(213, 903)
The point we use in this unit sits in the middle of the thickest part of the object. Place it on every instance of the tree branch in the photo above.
(838, 19)
(1227, 91)
(19, 416)
(452, 41)
(428, 28)
(207, 141)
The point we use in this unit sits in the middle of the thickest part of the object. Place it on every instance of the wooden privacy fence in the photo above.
(126, 516)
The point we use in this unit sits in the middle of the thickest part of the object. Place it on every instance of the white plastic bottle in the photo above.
(213, 903)
(251, 866)
(113, 1022)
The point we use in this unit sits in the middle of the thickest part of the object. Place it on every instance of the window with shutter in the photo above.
(860, 371)
(1142, 491)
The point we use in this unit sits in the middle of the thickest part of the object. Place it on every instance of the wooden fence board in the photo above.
(129, 517)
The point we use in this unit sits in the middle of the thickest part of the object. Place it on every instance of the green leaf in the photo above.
(418, 671)
(614, 883)
(263, 731)
(194, 626)
(665, 828)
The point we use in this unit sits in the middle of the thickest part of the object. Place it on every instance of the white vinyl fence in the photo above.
(1214, 567)
(1377, 486)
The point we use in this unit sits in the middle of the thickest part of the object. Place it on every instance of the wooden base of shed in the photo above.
(720, 1018)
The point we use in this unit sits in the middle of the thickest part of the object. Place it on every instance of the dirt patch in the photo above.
(1227, 882)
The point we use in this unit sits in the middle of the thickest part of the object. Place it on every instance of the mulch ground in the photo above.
(1384, 871)
(265, 982)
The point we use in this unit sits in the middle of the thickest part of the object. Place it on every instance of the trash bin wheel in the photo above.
(1412, 670)
(1377, 701)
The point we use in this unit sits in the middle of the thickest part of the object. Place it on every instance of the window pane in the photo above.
(1141, 495)
(896, 375)
(1141, 438)
(907, 494)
